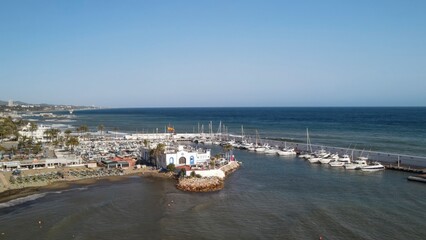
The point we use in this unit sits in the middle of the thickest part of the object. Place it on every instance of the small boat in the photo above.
(375, 166)
(418, 178)
(328, 159)
(336, 163)
(287, 152)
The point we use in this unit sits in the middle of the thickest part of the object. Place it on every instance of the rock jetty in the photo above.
(206, 184)
(194, 184)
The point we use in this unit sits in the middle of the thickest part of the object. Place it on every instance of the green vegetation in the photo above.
(27, 146)
(52, 134)
(72, 142)
(157, 152)
(171, 167)
(101, 128)
(9, 128)
(182, 173)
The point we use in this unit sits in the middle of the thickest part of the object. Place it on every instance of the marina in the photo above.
(273, 187)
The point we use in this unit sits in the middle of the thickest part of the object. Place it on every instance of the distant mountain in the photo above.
(3, 103)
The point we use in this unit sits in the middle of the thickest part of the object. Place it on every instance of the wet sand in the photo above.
(27, 189)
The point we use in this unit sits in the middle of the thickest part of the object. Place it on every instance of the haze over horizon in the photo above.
(214, 53)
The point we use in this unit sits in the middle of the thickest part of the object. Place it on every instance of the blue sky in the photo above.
(214, 53)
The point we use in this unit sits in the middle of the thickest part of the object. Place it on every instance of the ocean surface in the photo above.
(394, 130)
(270, 197)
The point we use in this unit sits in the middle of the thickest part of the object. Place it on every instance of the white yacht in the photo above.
(328, 159)
(357, 164)
(341, 161)
(286, 152)
(375, 166)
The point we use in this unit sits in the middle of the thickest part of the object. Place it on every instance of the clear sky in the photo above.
(214, 53)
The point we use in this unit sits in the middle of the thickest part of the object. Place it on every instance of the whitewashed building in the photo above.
(37, 135)
(181, 156)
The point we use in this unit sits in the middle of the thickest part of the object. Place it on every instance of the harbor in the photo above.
(119, 174)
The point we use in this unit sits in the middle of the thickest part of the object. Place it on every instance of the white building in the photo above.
(10, 103)
(181, 156)
(37, 135)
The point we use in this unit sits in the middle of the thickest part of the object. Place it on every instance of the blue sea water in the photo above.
(270, 197)
(396, 130)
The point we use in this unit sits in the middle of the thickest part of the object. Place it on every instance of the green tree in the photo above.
(67, 133)
(72, 142)
(33, 128)
(10, 128)
(145, 143)
(82, 129)
(228, 150)
(171, 167)
(52, 134)
(157, 152)
(101, 128)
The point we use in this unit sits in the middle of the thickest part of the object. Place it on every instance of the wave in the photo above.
(22, 200)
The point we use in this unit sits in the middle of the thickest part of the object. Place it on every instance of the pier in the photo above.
(403, 161)
(390, 159)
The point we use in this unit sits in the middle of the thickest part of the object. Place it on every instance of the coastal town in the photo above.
(33, 155)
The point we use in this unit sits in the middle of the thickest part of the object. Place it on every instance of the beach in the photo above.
(10, 191)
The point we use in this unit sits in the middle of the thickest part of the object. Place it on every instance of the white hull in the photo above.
(305, 156)
(373, 168)
(357, 165)
(337, 164)
(260, 149)
(271, 151)
(286, 153)
(314, 160)
(325, 160)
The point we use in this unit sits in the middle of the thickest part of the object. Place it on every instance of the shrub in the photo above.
(171, 167)
(193, 174)
(182, 173)
(12, 180)
(198, 175)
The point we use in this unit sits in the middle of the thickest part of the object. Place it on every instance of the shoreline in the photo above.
(15, 193)
(191, 185)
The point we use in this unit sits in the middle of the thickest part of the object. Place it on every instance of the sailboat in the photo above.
(307, 155)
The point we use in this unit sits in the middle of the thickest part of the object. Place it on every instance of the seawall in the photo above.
(209, 181)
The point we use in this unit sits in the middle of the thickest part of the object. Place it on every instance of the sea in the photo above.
(269, 197)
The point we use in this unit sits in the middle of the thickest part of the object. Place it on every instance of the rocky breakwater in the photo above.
(204, 184)
(199, 183)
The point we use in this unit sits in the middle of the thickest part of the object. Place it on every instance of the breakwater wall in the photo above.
(207, 183)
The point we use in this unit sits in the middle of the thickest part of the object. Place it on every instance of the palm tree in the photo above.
(72, 141)
(228, 150)
(145, 142)
(52, 134)
(48, 133)
(157, 152)
(33, 128)
(101, 128)
(82, 129)
(67, 133)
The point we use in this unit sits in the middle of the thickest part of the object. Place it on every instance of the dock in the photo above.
(405, 168)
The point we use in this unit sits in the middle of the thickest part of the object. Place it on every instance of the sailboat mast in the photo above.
(242, 133)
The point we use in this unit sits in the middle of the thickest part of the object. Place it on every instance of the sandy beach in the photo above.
(13, 191)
